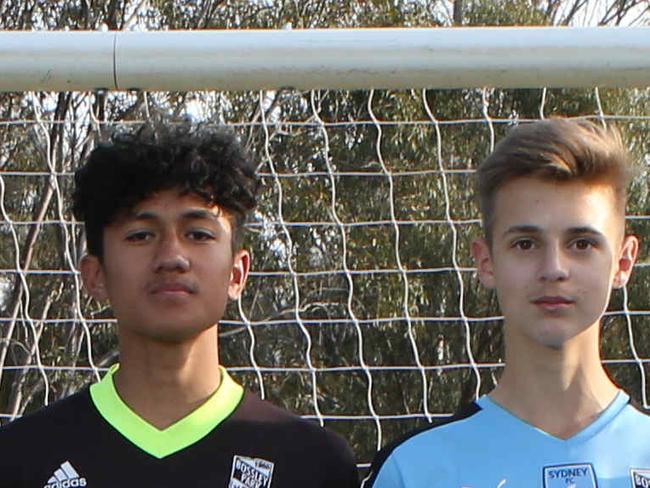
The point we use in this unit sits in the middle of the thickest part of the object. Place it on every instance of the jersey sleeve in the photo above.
(9, 466)
(384, 473)
(343, 472)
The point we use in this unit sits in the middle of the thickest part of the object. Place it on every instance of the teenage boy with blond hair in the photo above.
(553, 196)
(164, 210)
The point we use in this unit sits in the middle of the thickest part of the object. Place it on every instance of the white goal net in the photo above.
(363, 310)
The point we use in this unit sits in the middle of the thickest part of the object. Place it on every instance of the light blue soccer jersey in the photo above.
(489, 447)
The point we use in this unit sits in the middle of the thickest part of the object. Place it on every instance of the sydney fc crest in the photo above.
(570, 476)
(250, 473)
(640, 478)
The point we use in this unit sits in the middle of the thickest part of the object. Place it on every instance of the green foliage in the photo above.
(506, 12)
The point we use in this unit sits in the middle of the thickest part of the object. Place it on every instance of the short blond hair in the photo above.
(556, 149)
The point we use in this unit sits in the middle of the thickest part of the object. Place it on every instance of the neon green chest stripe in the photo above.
(185, 432)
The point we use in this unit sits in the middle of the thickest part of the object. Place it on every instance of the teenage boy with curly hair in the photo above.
(553, 196)
(164, 211)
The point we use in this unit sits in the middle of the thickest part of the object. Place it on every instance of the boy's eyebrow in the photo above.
(192, 214)
(199, 213)
(533, 229)
(522, 229)
(142, 215)
(584, 230)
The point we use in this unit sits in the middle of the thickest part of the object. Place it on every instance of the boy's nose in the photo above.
(170, 256)
(554, 266)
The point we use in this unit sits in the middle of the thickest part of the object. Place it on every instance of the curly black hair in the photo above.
(133, 166)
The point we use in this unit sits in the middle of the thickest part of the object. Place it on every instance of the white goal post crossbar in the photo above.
(467, 57)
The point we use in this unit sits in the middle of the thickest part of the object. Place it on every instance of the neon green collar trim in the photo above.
(185, 432)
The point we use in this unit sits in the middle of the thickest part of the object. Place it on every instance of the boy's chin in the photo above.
(174, 333)
(557, 340)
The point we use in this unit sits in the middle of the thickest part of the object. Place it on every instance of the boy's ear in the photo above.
(239, 274)
(483, 261)
(626, 260)
(93, 278)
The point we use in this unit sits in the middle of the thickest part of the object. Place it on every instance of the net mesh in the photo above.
(363, 310)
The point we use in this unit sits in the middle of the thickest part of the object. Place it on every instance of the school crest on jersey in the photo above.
(250, 473)
(580, 475)
(640, 478)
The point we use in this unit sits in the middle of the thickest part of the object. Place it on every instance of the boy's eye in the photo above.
(200, 235)
(583, 244)
(524, 244)
(139, 236)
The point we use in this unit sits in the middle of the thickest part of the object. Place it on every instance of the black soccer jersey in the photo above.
(234, 440)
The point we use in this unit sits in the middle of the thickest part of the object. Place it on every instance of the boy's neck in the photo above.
(560, 391)
(164, 382)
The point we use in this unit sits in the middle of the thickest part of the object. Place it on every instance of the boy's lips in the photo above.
(553, 302)
(172, 287)
(552, 299)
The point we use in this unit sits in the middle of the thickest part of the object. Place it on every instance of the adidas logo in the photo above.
(65, 477)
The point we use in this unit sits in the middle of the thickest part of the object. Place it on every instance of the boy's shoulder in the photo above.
(30, 444)
(63, 415)
(255, 415)
(302, 446)
(428, 443)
